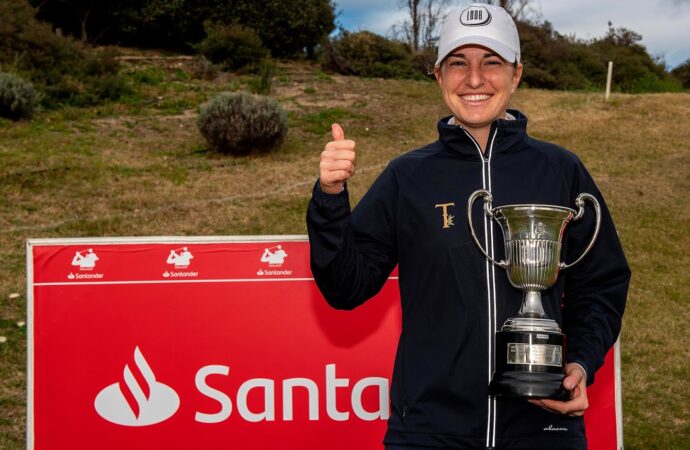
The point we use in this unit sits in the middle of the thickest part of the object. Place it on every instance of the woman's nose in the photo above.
(475, 77)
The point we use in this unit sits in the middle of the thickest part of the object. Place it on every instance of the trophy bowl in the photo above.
(529, 346)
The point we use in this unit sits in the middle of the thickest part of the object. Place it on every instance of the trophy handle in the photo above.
(487, 210)
(580, 202)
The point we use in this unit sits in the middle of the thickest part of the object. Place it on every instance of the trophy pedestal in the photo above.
(529, 385)
(529, 363)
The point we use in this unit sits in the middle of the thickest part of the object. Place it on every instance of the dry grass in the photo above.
(141, 168)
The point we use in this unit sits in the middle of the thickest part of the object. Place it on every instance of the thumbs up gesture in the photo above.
(337, 162)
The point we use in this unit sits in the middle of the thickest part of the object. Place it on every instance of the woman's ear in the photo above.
(517, 75)
(437, 74)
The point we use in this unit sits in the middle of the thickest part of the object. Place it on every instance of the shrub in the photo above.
(369, 55)
(203, 69)
(554, 61)
(263, 84)
(650, 82)
(232, 46)
(682, 74)
(18, 98)
(424, 61)
(239, 123)
(98, 78)
(537, 77)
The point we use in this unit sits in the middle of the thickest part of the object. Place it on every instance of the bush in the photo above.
(18, 98)
(650, 82)
(263, 84)
(288, 29)
(203, 69)
(231, 46)
(96, 79)
(682, 74)
(554, 61)
(239, 123)
(367, 54)
(536, 77)
(424, 62)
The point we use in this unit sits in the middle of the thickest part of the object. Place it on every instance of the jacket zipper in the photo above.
(488, 236)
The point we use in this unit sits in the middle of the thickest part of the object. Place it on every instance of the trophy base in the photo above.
(529, 385)
(529, 360)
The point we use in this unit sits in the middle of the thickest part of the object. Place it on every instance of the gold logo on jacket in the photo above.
(447, 218)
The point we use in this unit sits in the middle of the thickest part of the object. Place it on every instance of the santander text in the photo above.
(267, 385)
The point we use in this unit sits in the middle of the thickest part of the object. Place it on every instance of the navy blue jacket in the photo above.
(453, 299)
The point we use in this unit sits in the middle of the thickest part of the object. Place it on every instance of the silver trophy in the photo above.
(529, 347)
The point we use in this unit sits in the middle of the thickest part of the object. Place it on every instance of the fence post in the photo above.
(608, 80)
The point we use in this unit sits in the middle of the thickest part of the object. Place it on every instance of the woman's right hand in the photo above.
(337, 162)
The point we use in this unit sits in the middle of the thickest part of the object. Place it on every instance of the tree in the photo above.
(84, 19)
(287, 30)
(421, 30)
(62, 69)
(518, 9)
(413, 8)
(284, 28)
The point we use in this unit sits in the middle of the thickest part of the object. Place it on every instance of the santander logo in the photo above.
(138, 399)
(275, 258)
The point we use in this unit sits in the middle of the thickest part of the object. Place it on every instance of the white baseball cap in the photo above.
(482, 24)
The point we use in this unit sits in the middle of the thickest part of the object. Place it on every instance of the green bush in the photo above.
(651, 82)
(232, 46)
(97, 80)
(554, 61)
(239, 123)
(18, 98)
(263, 84)
(682, 74)
(367, 54)
(537, 77)
(424, 61)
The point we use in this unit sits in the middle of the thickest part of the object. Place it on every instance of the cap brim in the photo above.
(502, 50)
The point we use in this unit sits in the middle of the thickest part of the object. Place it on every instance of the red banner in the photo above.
(169, 343)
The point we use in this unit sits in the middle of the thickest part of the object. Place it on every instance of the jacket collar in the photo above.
(508, 133)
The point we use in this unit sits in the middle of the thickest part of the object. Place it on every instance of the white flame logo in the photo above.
(138, 399)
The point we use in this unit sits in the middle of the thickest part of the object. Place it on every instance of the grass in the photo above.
(140, 167)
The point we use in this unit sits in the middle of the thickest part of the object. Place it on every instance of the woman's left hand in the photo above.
(576, 383)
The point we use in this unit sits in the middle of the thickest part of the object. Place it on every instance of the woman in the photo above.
(453, 300)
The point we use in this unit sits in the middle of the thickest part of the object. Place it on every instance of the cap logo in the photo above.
(475, 16)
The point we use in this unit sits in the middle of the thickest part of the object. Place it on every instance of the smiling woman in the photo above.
(453, 301)
(476, 85)
(478, 67)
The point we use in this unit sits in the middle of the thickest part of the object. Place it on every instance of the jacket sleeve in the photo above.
(595, 289)
(352, 254)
